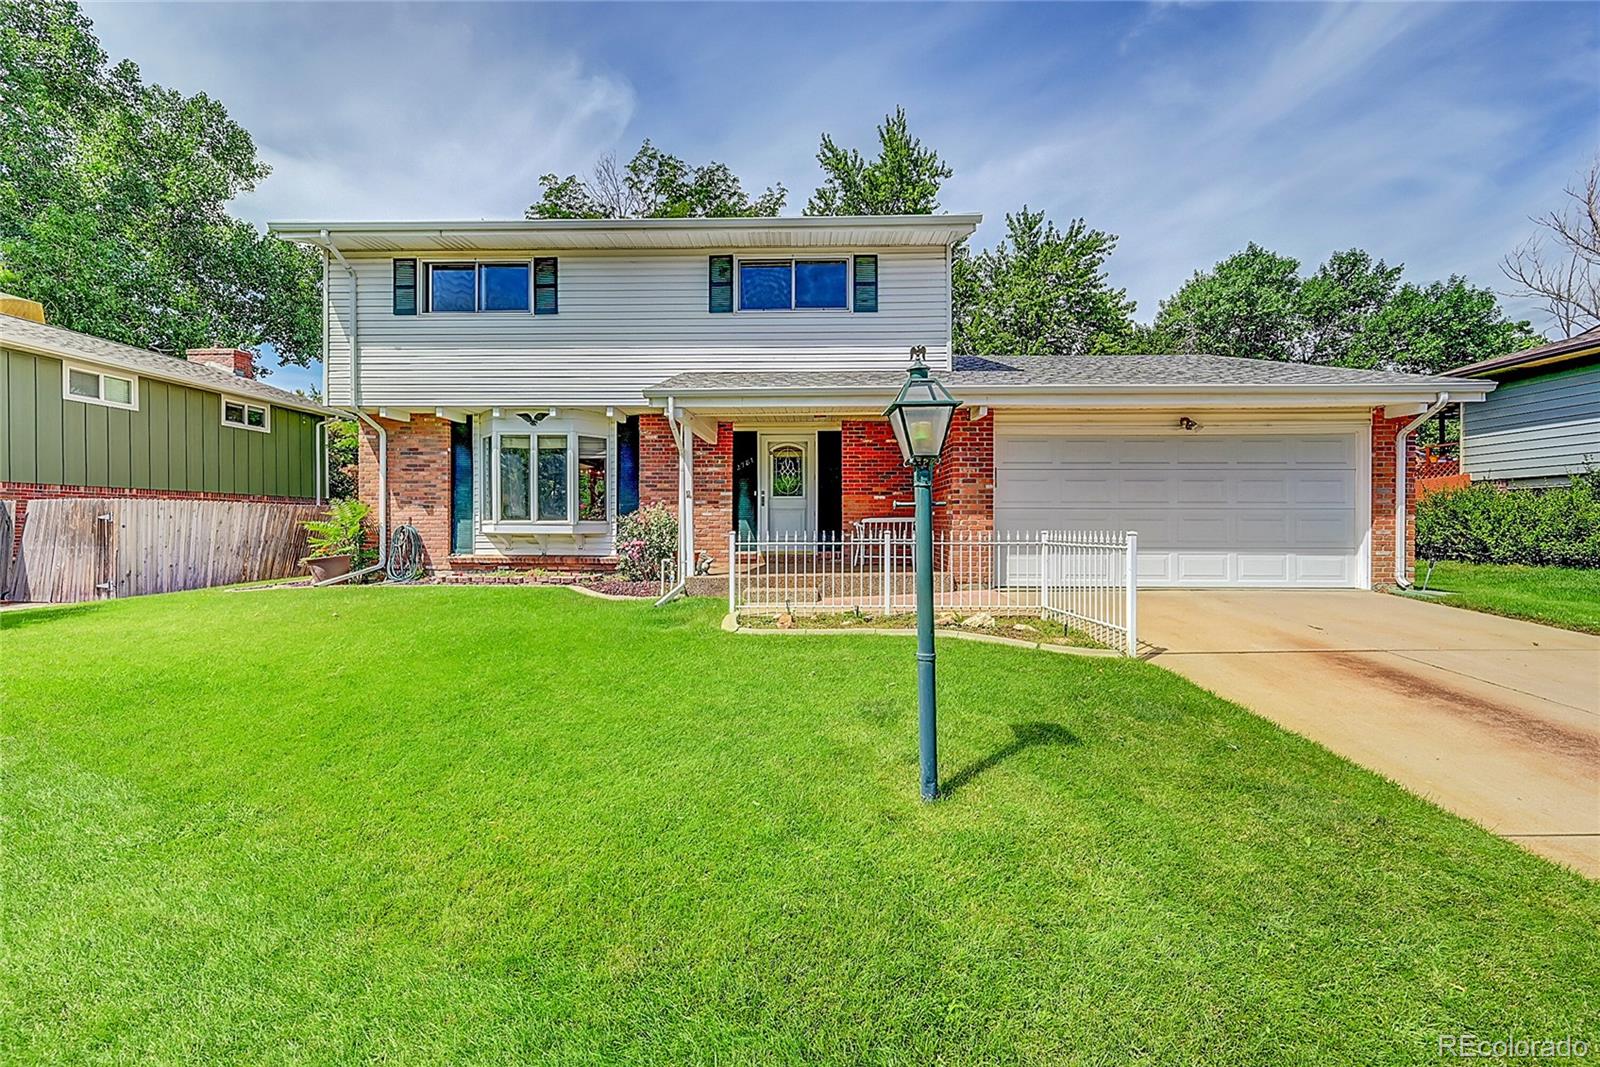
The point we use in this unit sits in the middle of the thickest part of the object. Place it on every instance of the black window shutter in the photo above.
(405, 287)
(544, 286)
(721, 283)
(866, 283)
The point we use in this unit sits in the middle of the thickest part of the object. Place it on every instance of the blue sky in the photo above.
(1425, 133)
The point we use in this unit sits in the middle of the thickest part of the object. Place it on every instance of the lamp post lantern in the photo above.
(920, 417)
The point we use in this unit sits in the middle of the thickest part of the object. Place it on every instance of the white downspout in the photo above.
(685, 499)
(355, 409)
(383, 502)
(1402, 462)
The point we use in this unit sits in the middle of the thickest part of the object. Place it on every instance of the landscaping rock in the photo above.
(1024, 627)
(947, 618)
(978, 621)
(786, 621)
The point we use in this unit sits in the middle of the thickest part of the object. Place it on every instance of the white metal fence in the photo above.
(1083, 579)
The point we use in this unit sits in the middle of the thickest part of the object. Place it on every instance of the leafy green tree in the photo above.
(1354, 311)
(113, 199)
(653, 185)
(1039, 291)
(1244, 306)
(1336, 302)
(1431, 328)
(903, 180)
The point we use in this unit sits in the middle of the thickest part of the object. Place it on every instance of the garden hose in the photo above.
(405, 555)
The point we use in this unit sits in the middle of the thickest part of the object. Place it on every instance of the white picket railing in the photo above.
(1083, 579)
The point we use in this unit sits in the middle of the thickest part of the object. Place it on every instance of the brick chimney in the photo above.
(235, 361)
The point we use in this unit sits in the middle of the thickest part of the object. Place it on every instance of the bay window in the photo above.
(546, 478)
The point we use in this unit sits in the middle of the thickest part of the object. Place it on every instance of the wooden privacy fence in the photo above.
(78, 549)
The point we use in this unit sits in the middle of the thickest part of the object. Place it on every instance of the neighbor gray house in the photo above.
(1542, 422)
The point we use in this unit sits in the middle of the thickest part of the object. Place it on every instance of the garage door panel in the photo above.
(1264, 568)
(1261, 487)
(1325, 488)
(1145, 487)
(1202, 489)
(1334, 450)
(1262, 509)
(1203, 568)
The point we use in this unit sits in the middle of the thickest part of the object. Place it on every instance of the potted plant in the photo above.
(334, 542)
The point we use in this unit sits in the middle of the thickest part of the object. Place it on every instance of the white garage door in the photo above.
(1210, 510)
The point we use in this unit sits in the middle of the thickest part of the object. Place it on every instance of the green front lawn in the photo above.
(513, 824)
(1568, 597)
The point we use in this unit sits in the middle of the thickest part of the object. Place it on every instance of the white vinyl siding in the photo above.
(1282, 508)
(627, 321)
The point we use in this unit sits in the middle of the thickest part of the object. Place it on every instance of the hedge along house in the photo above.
(524, 383)
(87, 418)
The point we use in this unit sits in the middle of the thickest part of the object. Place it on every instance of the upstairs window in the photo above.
(456, 288)
(794, 284)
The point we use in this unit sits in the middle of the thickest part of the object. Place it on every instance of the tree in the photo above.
(1431, 328)
(1352, 312)
(113, 199)
(903, 180)
(1245, 306)
(653, 185)
(1566, 278)
(1038, 291)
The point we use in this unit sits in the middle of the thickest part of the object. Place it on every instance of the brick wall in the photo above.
(419, 482)
(23, 492)
(658, 462)
(873, 475)
(964, 478)
(713, 494)
(1383, 502)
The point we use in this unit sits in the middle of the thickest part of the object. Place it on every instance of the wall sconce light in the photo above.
(1186, 423)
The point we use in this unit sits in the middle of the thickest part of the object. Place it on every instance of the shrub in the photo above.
(1486, 523)
(644, 539)
(340, 533)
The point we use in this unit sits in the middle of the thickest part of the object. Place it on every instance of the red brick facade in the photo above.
(873, 474)
(23, 492)
(1383, 502)
(419, 481)
(963, 482)
(713, 494)
(658, 462)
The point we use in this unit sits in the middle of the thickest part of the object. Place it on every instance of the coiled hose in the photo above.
(405, 555)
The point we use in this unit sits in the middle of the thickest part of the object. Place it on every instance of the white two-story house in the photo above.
(522, 384)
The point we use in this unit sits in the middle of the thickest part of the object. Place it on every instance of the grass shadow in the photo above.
(1026, 735)
(17, 618)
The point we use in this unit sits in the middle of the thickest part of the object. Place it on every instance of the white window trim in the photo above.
(266, 417)
(532, 525)
(425, 270)
(848, 258)
(102, 374)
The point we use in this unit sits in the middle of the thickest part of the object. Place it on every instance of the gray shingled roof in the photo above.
(57, 341)
(1048, 372)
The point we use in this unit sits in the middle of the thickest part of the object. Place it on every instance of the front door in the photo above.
(788, 486)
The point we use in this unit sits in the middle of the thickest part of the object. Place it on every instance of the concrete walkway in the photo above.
(1494, 719)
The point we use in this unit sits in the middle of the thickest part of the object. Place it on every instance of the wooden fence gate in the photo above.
(84, 549)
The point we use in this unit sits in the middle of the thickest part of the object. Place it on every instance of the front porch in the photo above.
(836, 482)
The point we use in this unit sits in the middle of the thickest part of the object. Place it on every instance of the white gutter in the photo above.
(1402, 461)
(680, 436)
(383, 503)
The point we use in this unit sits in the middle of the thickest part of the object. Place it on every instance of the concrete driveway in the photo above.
(1494, 719)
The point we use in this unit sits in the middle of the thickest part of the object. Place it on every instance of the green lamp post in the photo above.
(921, 417)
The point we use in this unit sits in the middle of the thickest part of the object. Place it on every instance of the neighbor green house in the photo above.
(87, 417)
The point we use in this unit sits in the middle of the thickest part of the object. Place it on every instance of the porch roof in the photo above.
(1077, 381)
